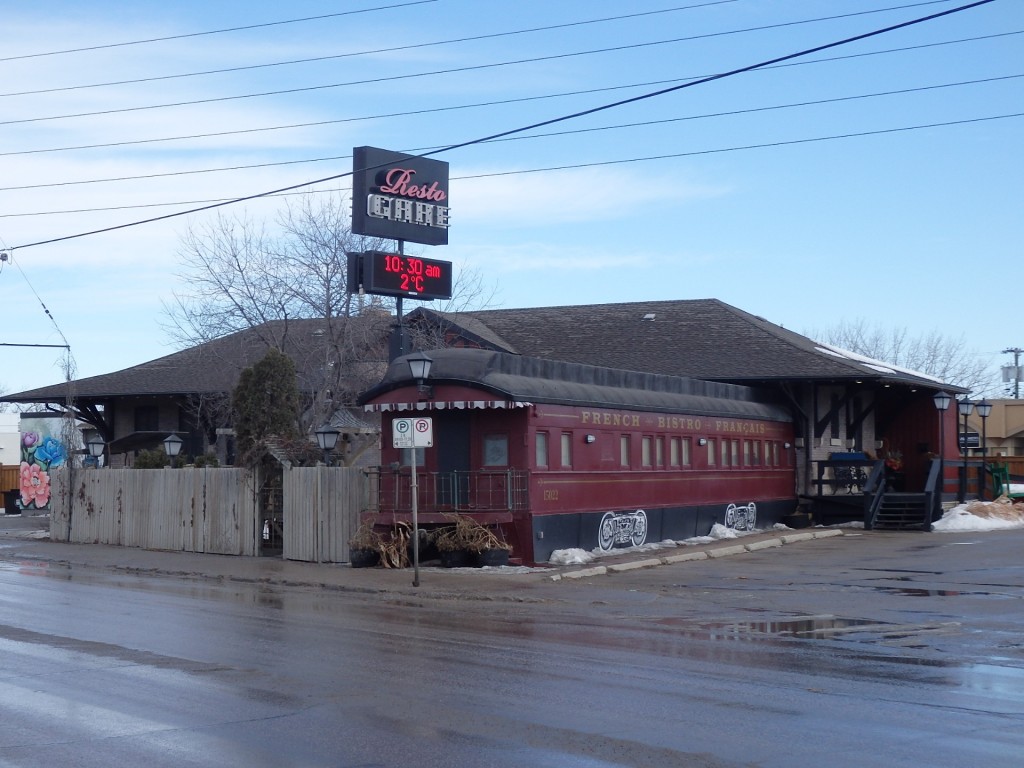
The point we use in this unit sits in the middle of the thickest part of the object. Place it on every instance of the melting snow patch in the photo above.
(996, 515)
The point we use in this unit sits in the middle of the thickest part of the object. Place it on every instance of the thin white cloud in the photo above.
(572, 195)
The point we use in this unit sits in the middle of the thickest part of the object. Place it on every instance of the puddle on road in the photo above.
(807, 627)
(919, 592)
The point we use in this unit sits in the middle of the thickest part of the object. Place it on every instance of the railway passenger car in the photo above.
(559, 455)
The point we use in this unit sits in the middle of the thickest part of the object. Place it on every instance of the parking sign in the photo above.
(417, 432)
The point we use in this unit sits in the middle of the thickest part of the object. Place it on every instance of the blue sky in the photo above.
(737, 189)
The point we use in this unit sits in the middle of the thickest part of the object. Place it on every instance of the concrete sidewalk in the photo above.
(21, 546)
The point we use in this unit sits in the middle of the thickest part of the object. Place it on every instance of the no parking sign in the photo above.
(417, 432)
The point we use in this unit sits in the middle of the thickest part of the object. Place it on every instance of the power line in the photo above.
(784, 143)
(574, 166)
(523, 129)
(213, 31)
(501, 102)
(475, 105)
(450, 70)
(280, 163)
(376, 51)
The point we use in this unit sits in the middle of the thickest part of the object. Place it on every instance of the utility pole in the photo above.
(1016, 352)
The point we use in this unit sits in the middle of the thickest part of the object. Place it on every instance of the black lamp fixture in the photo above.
(942, 401)
(172, 445)
(327, 439)
(419, 369)
(964, 407)
(984, 411)
(96, 447)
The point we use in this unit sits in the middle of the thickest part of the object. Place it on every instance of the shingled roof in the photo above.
(700, 338)
(212, 367)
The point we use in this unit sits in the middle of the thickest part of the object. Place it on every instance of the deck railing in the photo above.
(462, 492)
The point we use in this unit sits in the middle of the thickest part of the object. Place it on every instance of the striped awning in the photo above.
(450, 405)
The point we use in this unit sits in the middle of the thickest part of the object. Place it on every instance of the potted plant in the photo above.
(364, 548)
(467, 542)
(451, 547)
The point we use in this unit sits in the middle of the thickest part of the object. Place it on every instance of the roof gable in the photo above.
(700, 338)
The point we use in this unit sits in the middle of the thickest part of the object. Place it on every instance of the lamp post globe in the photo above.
(172, 445)
(327, 439)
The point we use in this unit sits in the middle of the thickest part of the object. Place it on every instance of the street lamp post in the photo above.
(172, 446)
(942, 401)
(96, 447)
(984, 409)
(327, 439)
(419, 369)
(965, 407)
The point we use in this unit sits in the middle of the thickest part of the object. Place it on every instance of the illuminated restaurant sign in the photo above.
(399, 196)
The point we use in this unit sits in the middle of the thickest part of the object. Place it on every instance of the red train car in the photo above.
(561, 455)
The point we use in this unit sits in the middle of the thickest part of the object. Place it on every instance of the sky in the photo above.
(876, 181)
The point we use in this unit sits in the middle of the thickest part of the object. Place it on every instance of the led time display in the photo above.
(392, 274)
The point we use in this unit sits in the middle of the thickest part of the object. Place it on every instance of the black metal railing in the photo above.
(874, 493)
(843, 475)
(468, 491)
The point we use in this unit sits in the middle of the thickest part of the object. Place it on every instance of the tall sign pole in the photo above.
(413, 433)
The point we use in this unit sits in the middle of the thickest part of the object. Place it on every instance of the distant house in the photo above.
(1003, 430)
(188, 393)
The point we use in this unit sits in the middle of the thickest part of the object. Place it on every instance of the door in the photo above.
(451, 441)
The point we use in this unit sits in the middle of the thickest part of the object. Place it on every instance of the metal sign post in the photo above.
(413, 433)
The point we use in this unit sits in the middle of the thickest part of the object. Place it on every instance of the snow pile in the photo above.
(582, 556)
(571, 557)
(997, 515)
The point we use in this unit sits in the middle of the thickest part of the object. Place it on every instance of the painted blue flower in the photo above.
(51, 452)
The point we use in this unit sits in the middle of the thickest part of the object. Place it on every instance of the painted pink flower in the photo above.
(35, 485)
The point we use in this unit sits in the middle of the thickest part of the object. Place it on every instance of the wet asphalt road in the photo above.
(881, 649)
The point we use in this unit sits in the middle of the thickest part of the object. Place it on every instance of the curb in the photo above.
(709, 552)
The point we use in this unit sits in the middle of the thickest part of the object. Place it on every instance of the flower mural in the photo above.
(35, 486)
(39, 453)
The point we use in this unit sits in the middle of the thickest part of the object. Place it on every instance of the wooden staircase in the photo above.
(900, 512)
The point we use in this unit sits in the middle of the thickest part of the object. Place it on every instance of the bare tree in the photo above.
(242, 276)
(944, 357)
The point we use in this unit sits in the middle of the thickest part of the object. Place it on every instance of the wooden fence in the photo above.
(322, 508)
(209, 510)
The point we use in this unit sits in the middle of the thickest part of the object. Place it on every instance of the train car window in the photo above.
(686, 452)
(735, 457)
(624, 450)
(674, 457)
(755, 454)
(645, 451)
(659, 451)
(747, 460)
(725, 453)
(712, 451)
(775, 454)
(421, 456)
(541, 447)
(496, 450)
(566, 449)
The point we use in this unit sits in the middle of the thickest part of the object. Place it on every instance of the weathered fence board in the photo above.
(211, 510)
(192, 510)
(321, 512)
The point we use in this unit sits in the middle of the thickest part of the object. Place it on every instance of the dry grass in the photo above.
(1002, 508)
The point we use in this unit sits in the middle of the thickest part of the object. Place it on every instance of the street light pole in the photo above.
(965, 407)
(984, 409)
(942, 401)
(419, 369)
